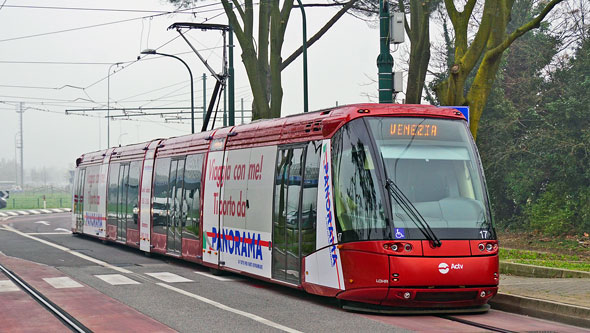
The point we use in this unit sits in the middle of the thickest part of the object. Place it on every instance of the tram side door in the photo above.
(122, 209)
(177, 216)
(286, 250)
(79, 201)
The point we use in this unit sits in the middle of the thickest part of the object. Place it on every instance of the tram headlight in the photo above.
(481, 246)
(407, 295)
(393, 247)
(489, 247)
(482, 294)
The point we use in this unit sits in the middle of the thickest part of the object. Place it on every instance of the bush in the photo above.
(559, 211)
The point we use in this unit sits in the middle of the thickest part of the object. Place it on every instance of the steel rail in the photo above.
(476, 324)
(58, 312)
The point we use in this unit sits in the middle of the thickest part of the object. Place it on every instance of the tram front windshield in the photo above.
(433, 163)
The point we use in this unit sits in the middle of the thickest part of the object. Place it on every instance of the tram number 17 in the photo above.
(484, 234)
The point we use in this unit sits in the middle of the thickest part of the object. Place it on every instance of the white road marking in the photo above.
(12, 213)
(34, 212)
(65, 249)
(48, 233)
(168, 277)
(116, 279)
(22, 212)
(7, 285)
(56, 210)
(42, 222)
(63, 282)
(229, 309)
(218, 278)
(62, 229)
(3, 214)
(45, 211)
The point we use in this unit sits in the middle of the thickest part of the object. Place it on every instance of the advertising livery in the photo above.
(381, 206)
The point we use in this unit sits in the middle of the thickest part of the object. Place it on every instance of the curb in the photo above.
(539, 271)
(11, 213)
(549, 310)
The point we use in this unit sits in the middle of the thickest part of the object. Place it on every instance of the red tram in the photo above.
(382, 206)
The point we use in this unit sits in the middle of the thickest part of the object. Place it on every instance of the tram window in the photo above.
(294, 188)
(133, 195)
(160, 205)
(438, 174)
(79, 200)
(192, 195)
(280, 197)
(292, 226)
(309, 200)
(91, 189)
(122, 199)
(112, 194)
(357, 197)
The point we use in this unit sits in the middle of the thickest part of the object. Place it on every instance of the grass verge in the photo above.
(555, 260)
(34, 200)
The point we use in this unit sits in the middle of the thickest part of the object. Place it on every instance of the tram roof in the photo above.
(301, 127)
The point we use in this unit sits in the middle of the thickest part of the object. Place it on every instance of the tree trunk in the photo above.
(419, 35)
(490, 42)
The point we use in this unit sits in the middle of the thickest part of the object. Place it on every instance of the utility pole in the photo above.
(221, 78)
(204, 95)
(19, 144)
(384, 60)
(230, 74)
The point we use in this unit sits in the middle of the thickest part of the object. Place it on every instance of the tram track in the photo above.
(64, 317)
(476, 324)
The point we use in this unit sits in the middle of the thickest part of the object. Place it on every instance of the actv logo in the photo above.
(444, 268)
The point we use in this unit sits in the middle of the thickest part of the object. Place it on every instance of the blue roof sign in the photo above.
(463, 109)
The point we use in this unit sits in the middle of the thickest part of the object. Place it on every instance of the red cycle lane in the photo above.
(98, 312)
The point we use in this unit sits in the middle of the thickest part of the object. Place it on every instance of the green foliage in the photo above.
(535, 138)
(554, 212)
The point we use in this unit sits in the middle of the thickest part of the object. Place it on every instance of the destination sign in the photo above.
(413, 130)
(421, 129)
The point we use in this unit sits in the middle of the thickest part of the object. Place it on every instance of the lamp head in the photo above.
(148, 51)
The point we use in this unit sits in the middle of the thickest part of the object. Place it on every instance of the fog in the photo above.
(52, 72)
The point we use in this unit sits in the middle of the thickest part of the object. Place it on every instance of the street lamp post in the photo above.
(304, 21)
(109, 103)
(152, 51)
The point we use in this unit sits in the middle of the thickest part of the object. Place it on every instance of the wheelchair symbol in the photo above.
(399, 233)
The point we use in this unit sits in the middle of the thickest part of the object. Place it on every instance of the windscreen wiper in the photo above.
(400, 198)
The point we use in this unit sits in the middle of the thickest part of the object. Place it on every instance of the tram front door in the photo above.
(294, 213)
(286, 251)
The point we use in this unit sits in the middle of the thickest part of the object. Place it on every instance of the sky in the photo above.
(53, 60)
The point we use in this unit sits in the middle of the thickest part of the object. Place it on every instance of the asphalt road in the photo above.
(202, 302)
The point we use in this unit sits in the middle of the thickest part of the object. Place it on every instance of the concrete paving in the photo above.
(561, 299)
(568, 291)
